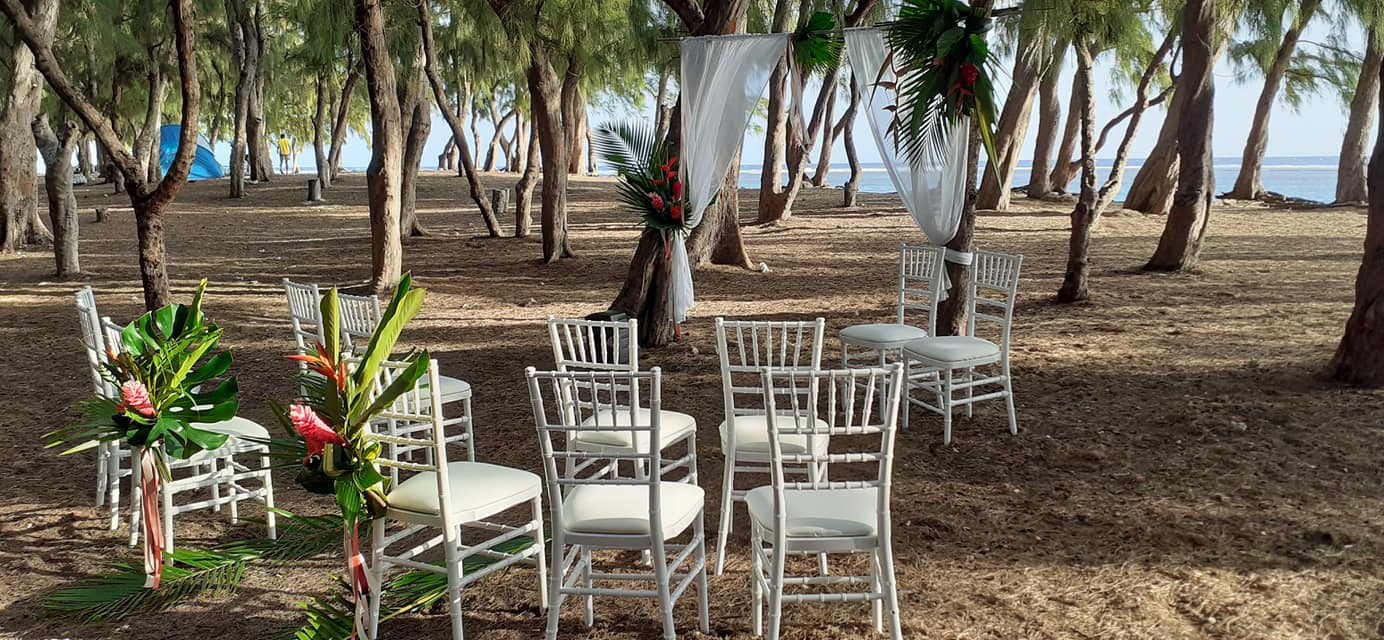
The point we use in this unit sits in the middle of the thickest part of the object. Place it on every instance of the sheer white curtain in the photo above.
(723, 78)
(933, 189)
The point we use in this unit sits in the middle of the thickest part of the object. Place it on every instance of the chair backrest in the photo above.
(413, 421)
(359, 317)
(746, 347)
(994, 289)
(594, 345)
(93, 339)
(615, 406)
(920, 282)
(855, 410)
(305, 308)
(114, 334)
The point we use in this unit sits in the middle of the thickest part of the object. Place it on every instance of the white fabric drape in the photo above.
(723, 78)
(933, 189)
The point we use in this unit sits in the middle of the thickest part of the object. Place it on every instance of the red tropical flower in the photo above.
(134, 396)
(316, 432)
(969, 74)
(321, 362)
(677, 190)
(676, 212)
(656, 200)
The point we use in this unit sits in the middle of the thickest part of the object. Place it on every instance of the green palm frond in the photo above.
(935, 44)
(119, 594)
(332, 616)
(817, 45)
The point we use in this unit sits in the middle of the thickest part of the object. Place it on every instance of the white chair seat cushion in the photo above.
(624, 509)
(818, 513)
(752, 435)
(952, 350)
(451, 389)
(881, 336)
(672, 426)
(476, 490)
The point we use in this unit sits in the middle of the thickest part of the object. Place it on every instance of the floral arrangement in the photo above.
(328, 423)
(159, 375)
(649, 182)
(943, 63)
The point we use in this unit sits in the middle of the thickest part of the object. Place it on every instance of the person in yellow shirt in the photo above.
(285, 150)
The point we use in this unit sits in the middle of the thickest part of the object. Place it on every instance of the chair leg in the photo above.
(727, 513)
(589, 601)
(1009, 401)
(946, 407)
(136, 499)
(166, 504)
(877, 586)
(542, 561)
(376, 569)
(102, 475)
(113, 484)
(234, 498)
(970, 391)
(470, 431)
(555, 577)
(776, 593)
(906, 402)
(885, 557)
(756, 579)
(267, 477)
(451, 540)
(665, 596)
(703, 603)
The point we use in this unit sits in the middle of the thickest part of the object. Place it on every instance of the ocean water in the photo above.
(1308, 177)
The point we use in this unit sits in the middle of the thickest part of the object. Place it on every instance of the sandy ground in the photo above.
(1181, 470)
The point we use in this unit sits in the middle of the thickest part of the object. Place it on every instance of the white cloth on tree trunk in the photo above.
(723, 78)
(933, 188)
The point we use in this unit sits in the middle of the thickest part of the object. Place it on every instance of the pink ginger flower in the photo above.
(313, 429)
(135, 396)
(657, 201)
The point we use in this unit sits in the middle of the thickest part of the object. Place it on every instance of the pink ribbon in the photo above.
(150, 523)
(360, 580)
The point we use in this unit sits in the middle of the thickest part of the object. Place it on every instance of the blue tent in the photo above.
(204, 164)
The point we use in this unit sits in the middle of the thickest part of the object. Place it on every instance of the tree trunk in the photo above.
(84, 163)
(775, 129)
(951, 313)
(1350, 171)
(1153, 186)
(644, 294)
(852, 186)
(1359, 358)
(823, 172)
(246, 60)
(524, 140)
(1084, 216)
(1029, 67)
(717, 239)
(497, 139)
(261, 164)
(478, 195)
(1049, 121)
(148, 202)
(19, 219)
(1180, 244)
(383, 177)
(416, 113)
(475, 131)
(343, 112)
(545, 92)
(57, 181)
(1064, 169)
(1142, 102)
(523, 191)
(574, 118)
(319, 143)
(660, 115)
(1249, 182)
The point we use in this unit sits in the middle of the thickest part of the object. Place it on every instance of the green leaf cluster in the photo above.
(169, 351)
